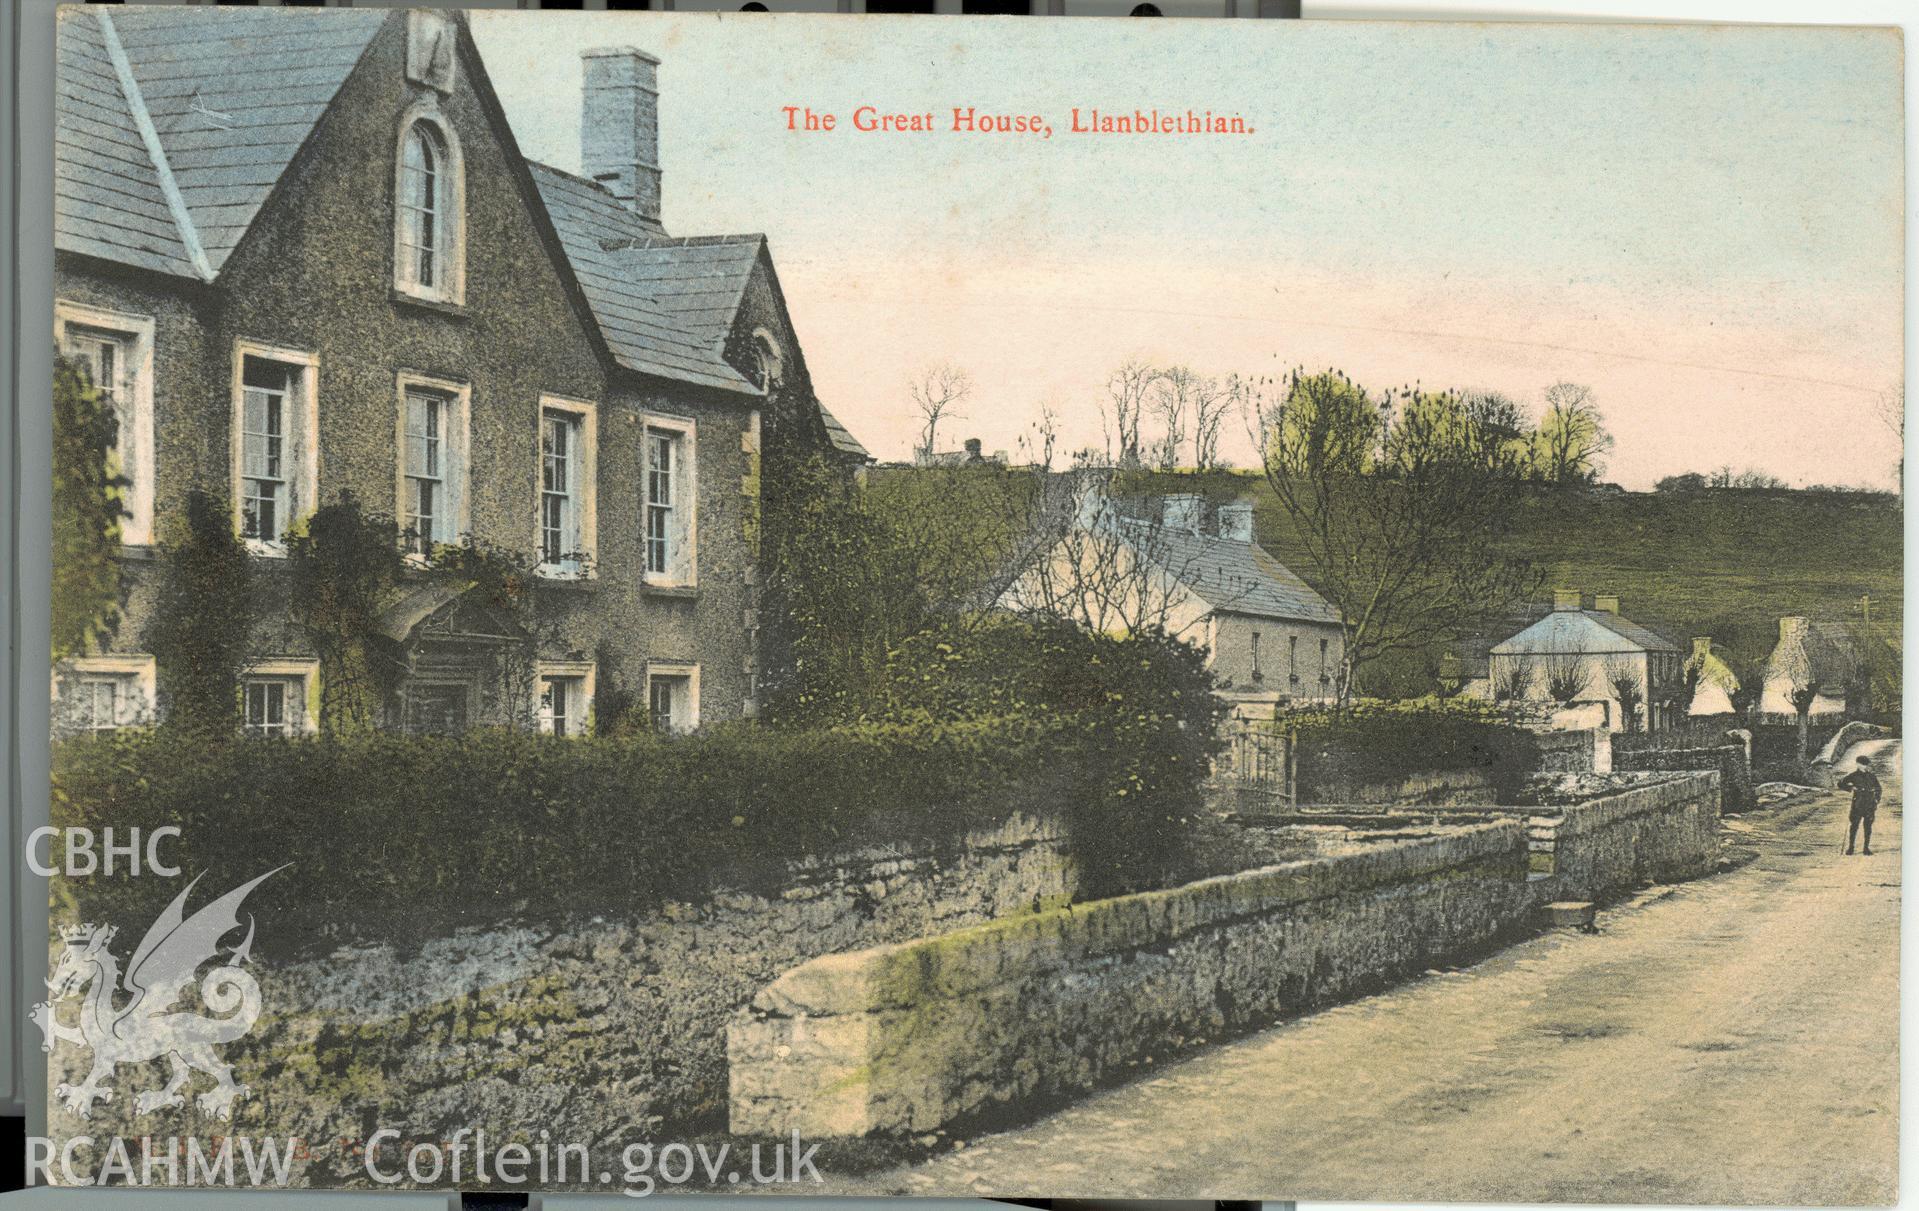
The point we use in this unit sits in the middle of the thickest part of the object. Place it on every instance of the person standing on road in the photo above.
(1866, 791)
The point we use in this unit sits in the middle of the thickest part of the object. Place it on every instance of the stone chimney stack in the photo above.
(973, 447)
(1236, 522)
(1794, 628)
(1701, 646)
(620, 125)
(1565, 599)
(1182, 511)
(1606, 603)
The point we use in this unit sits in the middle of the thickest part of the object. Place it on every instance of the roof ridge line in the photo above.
(143, 122)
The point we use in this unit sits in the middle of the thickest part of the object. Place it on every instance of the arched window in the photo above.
(768, 367)
(428, 259)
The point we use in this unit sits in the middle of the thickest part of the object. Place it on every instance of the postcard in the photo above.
(975, 606)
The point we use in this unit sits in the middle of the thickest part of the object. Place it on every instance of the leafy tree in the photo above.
(87, 507)
(1402, 506)
(202, 617)
(1571, 442)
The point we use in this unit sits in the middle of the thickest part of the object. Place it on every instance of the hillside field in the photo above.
(1726, 563)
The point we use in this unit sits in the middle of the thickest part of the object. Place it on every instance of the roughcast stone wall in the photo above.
(1663, 830)
(596, 1033)
(908, 1037)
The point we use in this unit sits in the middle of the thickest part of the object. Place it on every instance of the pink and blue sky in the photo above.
(1703, 224)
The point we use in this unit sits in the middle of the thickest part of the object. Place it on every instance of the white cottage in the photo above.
(1625, 673)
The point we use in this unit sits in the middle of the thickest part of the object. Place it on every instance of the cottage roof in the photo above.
(1234, 577)
(1592, 631)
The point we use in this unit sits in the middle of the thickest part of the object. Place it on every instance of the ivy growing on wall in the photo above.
(202, 618)
(87, 507)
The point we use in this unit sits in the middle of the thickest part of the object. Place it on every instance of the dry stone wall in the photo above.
(914, 1036)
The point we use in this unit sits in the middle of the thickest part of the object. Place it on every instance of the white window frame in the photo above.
(135, 443)
(580, 671)
(690, 672)
(450, 211)
(138, 667)
(455, 441)
(586, 499)
(306, 670)
(683, 541)
(304, 483)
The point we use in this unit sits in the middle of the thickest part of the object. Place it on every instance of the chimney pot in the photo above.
(1565, 599)
(620, 125)
(1607, 603)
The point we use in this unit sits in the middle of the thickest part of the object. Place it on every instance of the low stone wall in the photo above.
(1732, 761)
(909, 1037)
(1435, 787)
(1663, 830)
(1578, 750)
(600, 1032)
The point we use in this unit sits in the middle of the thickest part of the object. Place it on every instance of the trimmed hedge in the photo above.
(1384, 741)
(426, 834)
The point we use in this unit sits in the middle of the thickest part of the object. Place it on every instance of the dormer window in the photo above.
(428, 223)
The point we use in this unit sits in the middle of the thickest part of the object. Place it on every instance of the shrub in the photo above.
(399, 838)
(1377, 741)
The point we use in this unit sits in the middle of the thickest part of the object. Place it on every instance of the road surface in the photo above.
(1733, 1040)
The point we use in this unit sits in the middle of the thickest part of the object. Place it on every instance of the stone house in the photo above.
(1579, 659)
(1269, 636)
(303, 255)
(1823, 657)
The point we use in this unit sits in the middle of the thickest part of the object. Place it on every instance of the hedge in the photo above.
(1383, 741)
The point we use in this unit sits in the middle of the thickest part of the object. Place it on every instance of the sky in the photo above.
(1702, 224)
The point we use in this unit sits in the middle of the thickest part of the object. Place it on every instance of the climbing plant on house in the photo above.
(88, 505)
(202, 617)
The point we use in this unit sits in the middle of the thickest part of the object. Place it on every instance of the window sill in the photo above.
(451, 310)
(685, 592)
(139, 552)
(581, 581)
(265, 550)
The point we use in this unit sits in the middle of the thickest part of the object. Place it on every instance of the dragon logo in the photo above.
(167, 960)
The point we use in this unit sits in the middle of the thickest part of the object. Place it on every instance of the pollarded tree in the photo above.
(1628, 689)
(1402, 506)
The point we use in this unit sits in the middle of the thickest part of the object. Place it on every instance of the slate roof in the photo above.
(215, 101)
(1584, 631)
(1235, 577)
(663, 304)
(842, 437)
(173, 125)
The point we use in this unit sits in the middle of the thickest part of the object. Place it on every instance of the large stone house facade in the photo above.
(304, 257)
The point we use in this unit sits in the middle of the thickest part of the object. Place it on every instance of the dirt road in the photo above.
(1733, 1040)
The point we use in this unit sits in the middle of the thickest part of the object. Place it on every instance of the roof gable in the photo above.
(227, 97)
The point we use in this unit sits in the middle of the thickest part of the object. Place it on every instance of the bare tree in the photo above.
(1567, 673)
(1512, 679)
(1628, 689)
(937, 391)
(1890, 407)
(1571, 442)
(1125, 407)
(1171, 401)
(1402, 521)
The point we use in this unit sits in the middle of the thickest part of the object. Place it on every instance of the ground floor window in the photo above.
(94, 694)
(272, 706)
(673, 698)
(565, 691)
